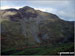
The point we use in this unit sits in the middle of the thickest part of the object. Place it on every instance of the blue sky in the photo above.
(63, 8)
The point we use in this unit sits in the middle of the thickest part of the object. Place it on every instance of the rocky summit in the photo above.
(29, 27)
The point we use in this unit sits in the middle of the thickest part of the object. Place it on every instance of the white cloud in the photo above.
(40, 9)
(51, 10)
(67, 14)
(7, 7)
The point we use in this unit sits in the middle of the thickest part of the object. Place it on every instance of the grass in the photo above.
(44, 50)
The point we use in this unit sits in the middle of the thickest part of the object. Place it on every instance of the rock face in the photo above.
(28, 27)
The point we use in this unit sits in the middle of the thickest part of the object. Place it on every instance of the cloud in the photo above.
(7, 7)
(66, 15)
(46, 9)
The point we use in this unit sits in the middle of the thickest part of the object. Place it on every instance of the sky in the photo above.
(65, 9)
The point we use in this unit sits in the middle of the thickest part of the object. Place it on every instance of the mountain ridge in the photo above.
(33, 27)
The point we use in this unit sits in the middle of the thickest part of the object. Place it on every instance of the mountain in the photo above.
(29, 27)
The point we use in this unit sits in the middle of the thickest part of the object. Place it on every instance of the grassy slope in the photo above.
(42, 50)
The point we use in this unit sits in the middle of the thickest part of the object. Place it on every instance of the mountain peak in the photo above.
(26, 8)
(28, 12)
